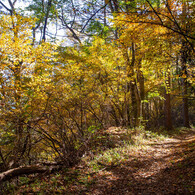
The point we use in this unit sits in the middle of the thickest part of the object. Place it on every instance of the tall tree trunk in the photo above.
(132, 88)
(185, 105)
(184, 58)
(185, 89)
(46, 19)
(168, 120)
(142, 91)
(105, 24)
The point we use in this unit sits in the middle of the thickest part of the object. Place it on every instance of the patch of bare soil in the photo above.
(167, 167)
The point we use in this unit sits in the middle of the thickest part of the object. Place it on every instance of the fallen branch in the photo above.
(27, 170)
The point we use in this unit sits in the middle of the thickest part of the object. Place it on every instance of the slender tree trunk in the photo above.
(142, 91)
(105, 24)
(184, 58)
(46, 19)
(132, 88)
(133, 103)
(168, 120)
(185, 94)
(185, 105)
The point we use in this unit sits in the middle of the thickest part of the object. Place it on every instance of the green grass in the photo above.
(135, 140)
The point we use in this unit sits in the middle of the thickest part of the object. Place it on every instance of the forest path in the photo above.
(152, 166)
(166, 167)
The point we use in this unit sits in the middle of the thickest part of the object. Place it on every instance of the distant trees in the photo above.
(168, 24)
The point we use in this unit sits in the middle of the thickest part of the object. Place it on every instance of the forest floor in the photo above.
(143, 163)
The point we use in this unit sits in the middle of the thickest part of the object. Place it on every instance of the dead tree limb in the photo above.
(27, 170)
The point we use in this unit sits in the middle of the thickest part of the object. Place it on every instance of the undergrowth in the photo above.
(110, 148)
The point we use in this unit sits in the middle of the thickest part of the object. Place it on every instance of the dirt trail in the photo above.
(160, 167)
(167, 167)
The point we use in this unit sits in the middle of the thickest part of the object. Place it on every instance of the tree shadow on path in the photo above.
(169, 173)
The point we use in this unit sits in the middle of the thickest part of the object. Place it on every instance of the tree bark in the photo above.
(184, 59)
(46, 19)
(140, 79)
(185, 97)
(132, 86)
(168, 120)
(27, 170)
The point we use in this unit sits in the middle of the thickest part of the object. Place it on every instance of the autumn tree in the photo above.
(160, 15)
(22, 70)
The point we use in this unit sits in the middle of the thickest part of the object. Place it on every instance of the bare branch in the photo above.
(11, 5)
(176, 23)
(69, 28)
(5, 7)
(94, 15)
(155, 12)
(163, 25)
